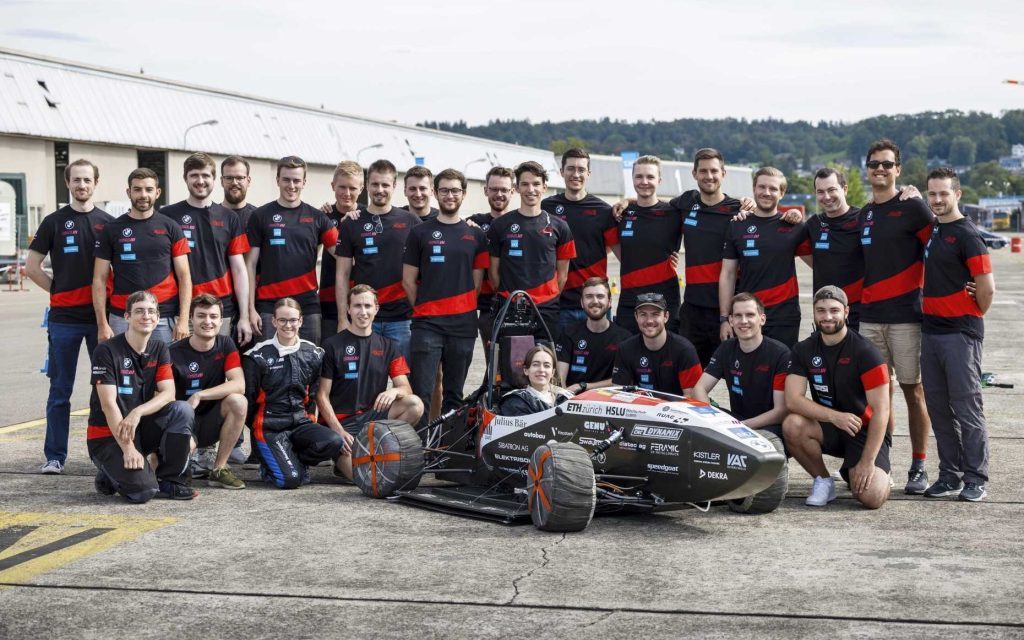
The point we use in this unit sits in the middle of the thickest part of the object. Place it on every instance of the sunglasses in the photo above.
(648, 298)
(885, 164)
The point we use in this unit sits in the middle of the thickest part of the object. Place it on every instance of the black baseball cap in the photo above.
(651, 300)
(831, 292)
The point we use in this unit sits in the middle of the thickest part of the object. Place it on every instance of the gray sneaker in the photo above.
(943, 489)
(51, 468)
(973, 492)
(917, 482)
(203, 461)
(238, 456)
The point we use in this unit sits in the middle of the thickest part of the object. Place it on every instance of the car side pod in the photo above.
(561, 488)
(766, 500)
(387, 456)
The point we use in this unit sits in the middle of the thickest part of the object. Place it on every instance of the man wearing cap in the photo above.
(847, 413)
(656, 359)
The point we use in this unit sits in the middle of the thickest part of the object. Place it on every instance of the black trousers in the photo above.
(700, 326)
(287, 452)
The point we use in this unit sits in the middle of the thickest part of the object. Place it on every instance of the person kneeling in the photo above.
(133, 413)
(539, 393)
(281, 379)
(208, 375)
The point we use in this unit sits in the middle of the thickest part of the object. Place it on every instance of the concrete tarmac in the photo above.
(325, 562)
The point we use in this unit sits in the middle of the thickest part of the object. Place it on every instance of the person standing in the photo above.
(498, 189)
(347, 184)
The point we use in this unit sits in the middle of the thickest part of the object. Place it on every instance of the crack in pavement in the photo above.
(546, 560)
(599, 619)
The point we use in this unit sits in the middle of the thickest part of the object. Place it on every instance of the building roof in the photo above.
(607, 179)
(62, 100)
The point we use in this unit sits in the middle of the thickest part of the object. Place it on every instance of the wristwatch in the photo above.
(582, 386)
(722, 319)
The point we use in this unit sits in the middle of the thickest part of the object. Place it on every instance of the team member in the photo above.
(358, 362)
(235, 180)
(530, 249)
(68, 235)
(284, 236)
(893, 236)
(754, 367)
(217, 245)
(656, 358)
(148, 252)
(370, 252)
(281, 379)
(594, 232)
(498, 189)
(848, 409)
(834, 238)
(542, 391)
(208, 375)
(586, 350)
(444, 261)
(133, 413)
(347, 184)
(951, 339)
(419, 190)
(649, 235)
(761, 249)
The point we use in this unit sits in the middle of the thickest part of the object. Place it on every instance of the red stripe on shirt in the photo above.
(903, 282)
(390, 293)
(289, 287)
(164, 291)
(398, 367)
(925, 233)
(482, 260)
(232, 361)
(689, 377)
(854, 291)
(329, 238)
(180, 248)
(865, 417)
(804, 248)
(954, 305)
(979, 265)
(773, 296)
(541, 293)
(611, 237)
(704, 273)
(875, 377)
(654, 274)
(219, 288)
(779, 382)
(328, 294)
(566, 251)
(164, 372)
(578, 276)
(96, 431)
(74, 298)
(238, 245)
(450, 306)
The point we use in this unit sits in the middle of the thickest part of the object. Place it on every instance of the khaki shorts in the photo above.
(900, 345)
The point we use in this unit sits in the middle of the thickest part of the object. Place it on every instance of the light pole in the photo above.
(184, 137)
(472, 162)
(372, 146)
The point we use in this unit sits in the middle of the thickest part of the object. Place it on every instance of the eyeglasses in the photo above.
(378, 226)
(575, 170)
(449, 192)
(885, 164)
(288, 321)
(234, 178)
(145, 312)
(502, 192)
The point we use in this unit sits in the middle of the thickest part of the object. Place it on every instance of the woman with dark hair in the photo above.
(541, 392)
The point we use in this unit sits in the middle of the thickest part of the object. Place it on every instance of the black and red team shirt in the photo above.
(838, 257)
(486, 295)
(839, 375)
(765, 248)
(529, 248)
(954, 256)
(376, 244)
(213, 234)
(670, 369)
(135, 375)
(328, 276)
(893, 235)
(197, 370)
(431, 215)
(141, 253)
(446, 255)
(594, 230)
(752, 377)
(704, 227)
(359, 369)
(70, 239)
(287, 239)
(648, 236)
(243, 214)
(590, 356)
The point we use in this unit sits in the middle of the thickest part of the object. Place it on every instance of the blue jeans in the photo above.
(164, 330)
(65, 345)
(398, 330)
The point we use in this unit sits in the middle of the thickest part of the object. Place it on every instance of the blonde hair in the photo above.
(347, 169)
(655, 160)
(773, 173)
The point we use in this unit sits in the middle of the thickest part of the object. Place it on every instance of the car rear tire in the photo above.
(387, 456)
(769, 499)
(560, 486)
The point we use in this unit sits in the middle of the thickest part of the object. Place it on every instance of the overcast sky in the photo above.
(556, 59)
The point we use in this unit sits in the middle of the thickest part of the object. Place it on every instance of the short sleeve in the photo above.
(104, 366)
(563, 348)
(411, 255)
(255, 231)
(42, 242)
(729, 248)
(105, 244)
(345, 247)
(715, 368)
(622, 374)
(797, 366)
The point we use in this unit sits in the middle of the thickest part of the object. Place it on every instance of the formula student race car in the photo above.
(613, 450)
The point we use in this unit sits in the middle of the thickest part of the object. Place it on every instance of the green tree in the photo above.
(970, 196)
(915, 171)
(856, 195)
(558, 147)
(962, 151)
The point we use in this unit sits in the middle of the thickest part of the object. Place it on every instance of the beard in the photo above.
(839, 326)
(233, 196)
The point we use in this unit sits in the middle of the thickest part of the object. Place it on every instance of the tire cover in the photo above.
(769, 499)
(387, 456)
(560, 486)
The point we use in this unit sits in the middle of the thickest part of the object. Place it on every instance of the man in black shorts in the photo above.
(656, 359)
(754, 367)
(354, 378)
(586, 350)
(848, 410)
(208, 375)
(133, 413)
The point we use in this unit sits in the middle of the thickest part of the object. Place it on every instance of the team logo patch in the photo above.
(514, 228)
(437, 235)
(187, 219)
(736, 365)
(278, 217)
(127, 362)
(368, 226)
(871, 214)
(582, 344)
(644, 361)
(559, 209)
(193, 367)
(126, 233)
(350, 350)
(816, 361)
(752, 229)
(70, 224)
(486, 227)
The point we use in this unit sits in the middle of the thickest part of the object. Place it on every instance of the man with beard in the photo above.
(754, 367)
(418, 193)
(148, 252)
(586, 350)
(498, 188)
(848, 409)
(444, 263)
(593, 229)
(68, 235)
(370, 248)
(347, 184)
(217, 245)
(656, 358)
(235, 180)
(759, 251)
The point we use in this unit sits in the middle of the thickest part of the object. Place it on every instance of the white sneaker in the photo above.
(52, 467)
(822, 493)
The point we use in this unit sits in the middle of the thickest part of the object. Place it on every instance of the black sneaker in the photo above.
(943, 489)
(103, 484)
(917, 481)
(973, 492)
(253, 461)
(175, 491)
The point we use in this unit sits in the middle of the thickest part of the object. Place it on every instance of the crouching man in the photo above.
(208, 375)
(847, 414)
(281, 379)
(133, 412)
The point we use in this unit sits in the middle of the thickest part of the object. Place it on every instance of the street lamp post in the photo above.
(184, 137)
(372, 146)
(472, 162)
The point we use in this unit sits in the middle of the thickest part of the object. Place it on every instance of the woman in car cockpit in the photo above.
(540, 393)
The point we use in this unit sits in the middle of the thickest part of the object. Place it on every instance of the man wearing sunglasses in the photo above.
(370, 251)
(894, 233)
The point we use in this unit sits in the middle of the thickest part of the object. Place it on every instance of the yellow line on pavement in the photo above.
(37, 423)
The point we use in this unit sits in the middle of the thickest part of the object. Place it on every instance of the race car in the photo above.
(612, 450)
